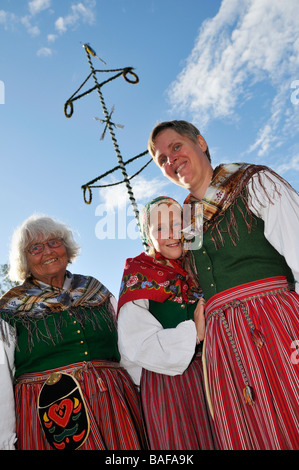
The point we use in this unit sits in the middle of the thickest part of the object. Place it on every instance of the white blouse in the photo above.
(281, 218)
(7, 403)
(144, 343)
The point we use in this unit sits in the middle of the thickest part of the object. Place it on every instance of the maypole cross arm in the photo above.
(131, 77)
(87, 187)
(126, 72)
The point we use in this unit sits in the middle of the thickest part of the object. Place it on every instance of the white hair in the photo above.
(37, 227)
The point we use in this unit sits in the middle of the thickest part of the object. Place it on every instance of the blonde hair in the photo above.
(145, 219)
(42, 227)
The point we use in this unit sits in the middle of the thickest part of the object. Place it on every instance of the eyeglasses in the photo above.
(38, 248)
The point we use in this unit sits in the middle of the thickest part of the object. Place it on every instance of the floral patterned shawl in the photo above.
(34, 300)
(228, 183)
(145, 277)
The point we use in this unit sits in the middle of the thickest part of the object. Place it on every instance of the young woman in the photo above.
(160, 326)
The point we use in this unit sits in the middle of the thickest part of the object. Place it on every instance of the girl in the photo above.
(160, 326)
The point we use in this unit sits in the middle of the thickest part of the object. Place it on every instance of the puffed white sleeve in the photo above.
(281, 216)
(144, 343)
(7, 403)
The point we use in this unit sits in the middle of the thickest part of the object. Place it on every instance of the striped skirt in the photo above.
(175, 409)
(112, 403)
(252, 366)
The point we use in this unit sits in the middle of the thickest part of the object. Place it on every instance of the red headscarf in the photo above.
(147, 277)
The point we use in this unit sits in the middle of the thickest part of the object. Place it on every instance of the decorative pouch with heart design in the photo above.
(62, 412)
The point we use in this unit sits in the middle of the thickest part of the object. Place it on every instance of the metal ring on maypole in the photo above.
(126, 72)
(87, 201)
(67, 113)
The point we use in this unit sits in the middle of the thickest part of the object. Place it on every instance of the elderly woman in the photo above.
(60, 347)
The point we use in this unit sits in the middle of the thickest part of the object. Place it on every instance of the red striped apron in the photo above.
(112, 403)
(252, 367)
(175, 409)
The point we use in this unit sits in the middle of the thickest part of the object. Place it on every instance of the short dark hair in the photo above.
(181, 127)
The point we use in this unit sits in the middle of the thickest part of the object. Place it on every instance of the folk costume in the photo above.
(157, 342)
(248, 268)
(70, 390)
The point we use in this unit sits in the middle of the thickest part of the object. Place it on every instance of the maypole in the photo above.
(68, 110)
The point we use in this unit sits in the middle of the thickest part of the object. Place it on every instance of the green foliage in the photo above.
(5, 282)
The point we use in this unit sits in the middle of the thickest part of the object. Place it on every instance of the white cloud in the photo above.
(52, 37)
(263, 140)
(78, 11)
(36, 6)
(60, 25)
(293, 164)
(246, 43)
(32, 30)
(44, 52)
(143, 190)
(7, 19)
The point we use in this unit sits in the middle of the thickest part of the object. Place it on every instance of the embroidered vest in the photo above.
(250, 258)
(73, 343)
(170, 314)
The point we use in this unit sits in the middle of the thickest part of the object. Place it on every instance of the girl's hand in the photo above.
(199, 319)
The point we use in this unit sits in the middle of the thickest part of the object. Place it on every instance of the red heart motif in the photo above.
(60, 413)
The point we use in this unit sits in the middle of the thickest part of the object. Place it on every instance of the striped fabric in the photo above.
(175, 409)
(112, 402)
(233, 361)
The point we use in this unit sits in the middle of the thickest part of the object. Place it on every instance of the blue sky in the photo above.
(230, 67)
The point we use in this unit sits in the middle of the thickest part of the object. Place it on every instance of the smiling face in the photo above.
(49, 266)
(165, 224)
(183, 161)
